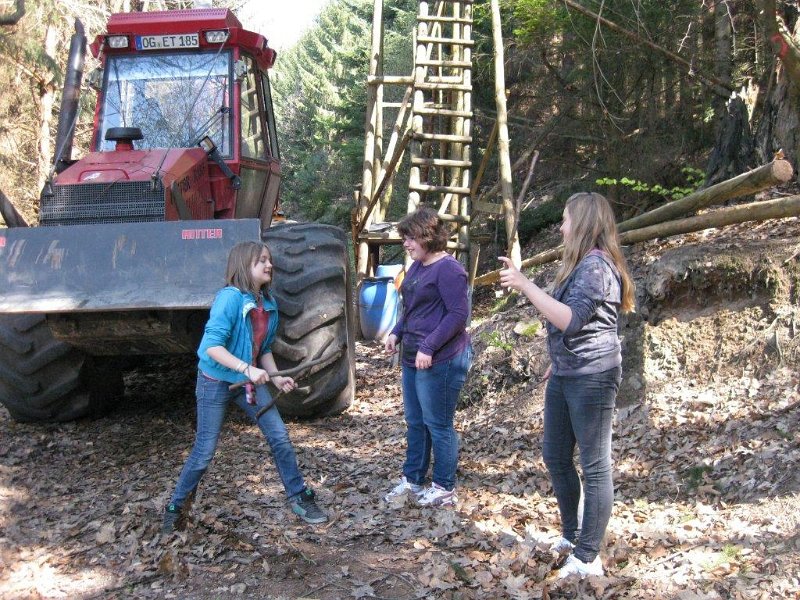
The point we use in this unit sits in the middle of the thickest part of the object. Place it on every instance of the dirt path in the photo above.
(80, 506)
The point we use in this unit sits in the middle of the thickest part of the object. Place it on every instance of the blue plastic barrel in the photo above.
(388, 270)
(377, 307)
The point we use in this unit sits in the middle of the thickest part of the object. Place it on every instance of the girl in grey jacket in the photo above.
(591, 287)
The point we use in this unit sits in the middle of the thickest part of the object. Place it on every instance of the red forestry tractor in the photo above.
(133, 238)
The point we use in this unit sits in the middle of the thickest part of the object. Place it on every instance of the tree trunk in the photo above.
(503, 150)
(778, 126)
(733, 149)
(723, 60)
(754, 211)
(783, 41)
(762, 178)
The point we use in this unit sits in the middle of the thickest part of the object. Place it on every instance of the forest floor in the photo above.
(707, 447)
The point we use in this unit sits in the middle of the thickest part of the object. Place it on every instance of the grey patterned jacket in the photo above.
(590, 343)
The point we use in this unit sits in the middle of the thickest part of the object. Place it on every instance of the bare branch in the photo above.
(13, 18)
(718, 86)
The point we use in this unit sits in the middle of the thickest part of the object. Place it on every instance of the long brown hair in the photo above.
(592, 225)
(240, 264)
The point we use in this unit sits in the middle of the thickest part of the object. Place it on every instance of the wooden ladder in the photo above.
(434, 121)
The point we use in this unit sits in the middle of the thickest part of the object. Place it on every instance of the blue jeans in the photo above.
(580, 410)
(429, 400)
(212, 400)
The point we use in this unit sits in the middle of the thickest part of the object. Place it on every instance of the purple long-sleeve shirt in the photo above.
(435, 310)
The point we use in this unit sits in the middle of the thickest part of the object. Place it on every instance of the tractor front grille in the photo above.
(86, 203)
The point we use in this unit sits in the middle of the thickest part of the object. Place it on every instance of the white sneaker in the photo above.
(401, 491)
(575, 566)
(436, 495)
(561, 545)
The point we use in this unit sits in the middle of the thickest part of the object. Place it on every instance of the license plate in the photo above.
(167, 42)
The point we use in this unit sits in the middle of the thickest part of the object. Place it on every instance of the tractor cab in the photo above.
(184, 101)
(174, 100)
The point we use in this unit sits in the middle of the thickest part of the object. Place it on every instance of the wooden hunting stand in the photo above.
(434, 121)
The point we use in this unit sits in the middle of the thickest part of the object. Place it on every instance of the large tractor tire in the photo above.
(311, 284)
(45, 380)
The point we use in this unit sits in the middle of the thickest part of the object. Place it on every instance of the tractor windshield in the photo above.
(175, 99)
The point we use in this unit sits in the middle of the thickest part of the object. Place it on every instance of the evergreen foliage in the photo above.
(320, 103)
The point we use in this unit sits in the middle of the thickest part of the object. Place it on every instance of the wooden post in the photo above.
(420, 54)
(484, 161)
(506, 186)
(367, 179)
(466, 123)
(398, 130)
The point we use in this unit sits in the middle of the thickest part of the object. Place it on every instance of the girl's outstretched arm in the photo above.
(558, 313)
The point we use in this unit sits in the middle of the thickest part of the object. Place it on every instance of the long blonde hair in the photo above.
(240, 264)
(592, 225)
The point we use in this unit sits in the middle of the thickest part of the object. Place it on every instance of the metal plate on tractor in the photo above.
(117, 266)
(167, 42)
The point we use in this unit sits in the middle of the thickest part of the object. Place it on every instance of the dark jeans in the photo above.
(429, 401)
(580, 409)
(212, 401)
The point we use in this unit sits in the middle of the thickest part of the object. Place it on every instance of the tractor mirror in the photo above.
(96, 79)
(240, 69)
(207, 144)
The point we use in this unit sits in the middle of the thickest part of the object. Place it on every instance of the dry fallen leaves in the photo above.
(706, 499)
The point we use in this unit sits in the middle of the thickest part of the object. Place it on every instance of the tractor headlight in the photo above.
(117, 41)
(216, 37)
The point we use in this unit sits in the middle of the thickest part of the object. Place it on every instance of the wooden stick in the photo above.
(291, 371)
(522, 192)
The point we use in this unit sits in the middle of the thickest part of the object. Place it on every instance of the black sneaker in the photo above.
(305, 507)
(172, 515)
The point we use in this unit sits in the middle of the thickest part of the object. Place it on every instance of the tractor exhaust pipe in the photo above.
(69, 99)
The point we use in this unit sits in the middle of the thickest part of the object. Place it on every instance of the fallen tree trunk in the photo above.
(757, 180)
(754, 211)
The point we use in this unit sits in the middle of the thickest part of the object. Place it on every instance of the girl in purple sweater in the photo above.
(591, 287)
(436, 355)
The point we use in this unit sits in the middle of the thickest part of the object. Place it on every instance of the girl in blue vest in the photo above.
(236, 349)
